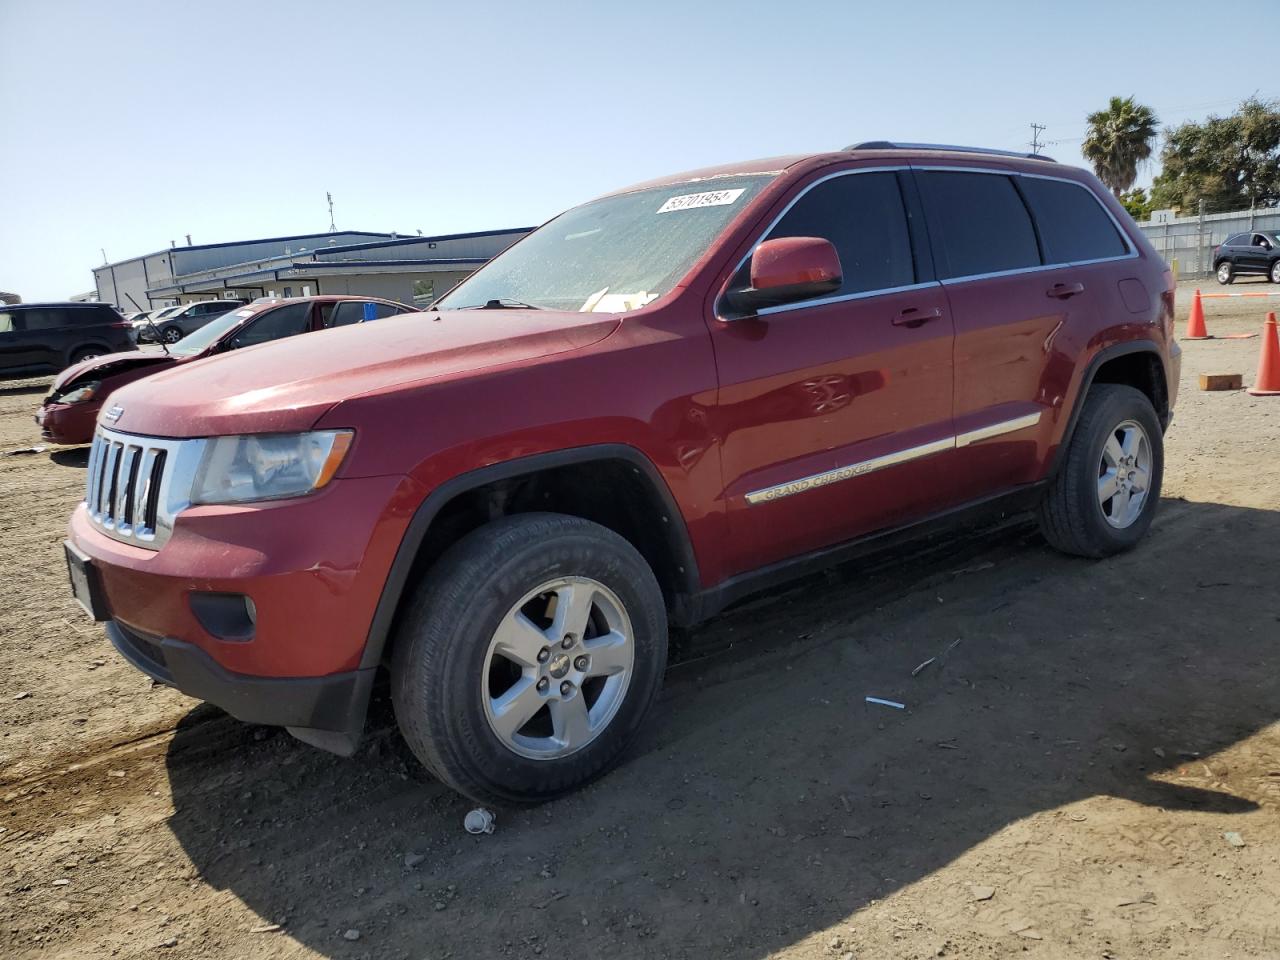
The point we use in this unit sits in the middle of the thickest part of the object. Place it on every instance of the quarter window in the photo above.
(978, 223)
(1073, 225)
(863, 217)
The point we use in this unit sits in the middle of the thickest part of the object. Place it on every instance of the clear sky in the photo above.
(129, 124)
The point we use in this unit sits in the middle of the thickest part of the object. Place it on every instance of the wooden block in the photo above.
(1221, 381)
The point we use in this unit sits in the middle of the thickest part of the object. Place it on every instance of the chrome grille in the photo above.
(138, 485)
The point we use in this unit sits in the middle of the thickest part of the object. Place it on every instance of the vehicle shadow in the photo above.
(71, 457)
(768, 800)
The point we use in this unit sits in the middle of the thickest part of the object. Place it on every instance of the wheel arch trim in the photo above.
(676, 532)
(1113, 352)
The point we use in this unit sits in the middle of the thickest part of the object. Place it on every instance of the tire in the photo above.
(1225, 272)
(1074, 518)
(449, 671)
(1275, 271)
(85, 353)
(171, 334)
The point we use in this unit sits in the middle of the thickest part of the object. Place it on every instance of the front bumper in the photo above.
(306, 705)
(68, 423)
(313, 567)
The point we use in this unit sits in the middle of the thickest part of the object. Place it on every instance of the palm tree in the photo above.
(1120, 138)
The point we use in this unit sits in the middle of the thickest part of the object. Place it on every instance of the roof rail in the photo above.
(949, 148)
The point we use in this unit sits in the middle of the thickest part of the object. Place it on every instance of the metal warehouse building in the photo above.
(408, 269)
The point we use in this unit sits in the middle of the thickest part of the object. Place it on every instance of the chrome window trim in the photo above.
(1132, 253)
(783, 308)
(847, 472)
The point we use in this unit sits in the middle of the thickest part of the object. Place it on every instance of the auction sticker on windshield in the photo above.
(690, 201)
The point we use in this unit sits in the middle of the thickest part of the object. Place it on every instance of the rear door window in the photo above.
(276, 324)
(1073, 225)
(978, 223)
(863, 217)
(45, 319)
(1236, 240)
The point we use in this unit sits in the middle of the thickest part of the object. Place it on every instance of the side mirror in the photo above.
(789, 269)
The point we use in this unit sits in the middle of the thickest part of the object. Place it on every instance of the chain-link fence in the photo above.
(1187, 242)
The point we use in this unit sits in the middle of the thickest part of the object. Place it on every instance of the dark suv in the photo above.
(37, 339)
(1243, 254)
(657, 403)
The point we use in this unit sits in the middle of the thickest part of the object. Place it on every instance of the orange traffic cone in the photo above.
(1267, 383)
(1195, 321)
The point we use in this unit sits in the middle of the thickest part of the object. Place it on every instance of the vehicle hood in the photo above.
(289, 384)
(107, 365)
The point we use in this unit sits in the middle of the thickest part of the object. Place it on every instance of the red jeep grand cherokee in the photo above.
(658, 402)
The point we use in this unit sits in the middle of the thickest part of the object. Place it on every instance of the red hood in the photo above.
(289, 384)
(108, 365)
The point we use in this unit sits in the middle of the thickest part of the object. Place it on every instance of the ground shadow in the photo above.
(71, 457)
(768, 800)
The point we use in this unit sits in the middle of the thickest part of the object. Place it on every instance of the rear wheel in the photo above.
(529, 658)
(1226, 272)
(1104, 495)
(85, 353)
(171, 334)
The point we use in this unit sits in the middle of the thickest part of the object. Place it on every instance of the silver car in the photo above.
(174, 323)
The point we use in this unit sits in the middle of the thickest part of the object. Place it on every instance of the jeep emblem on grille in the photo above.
(114, 413)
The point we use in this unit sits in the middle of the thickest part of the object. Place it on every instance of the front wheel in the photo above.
(1275, 271)
(529, 658)
(171, 334)
(1226, 273)
(1104, 495)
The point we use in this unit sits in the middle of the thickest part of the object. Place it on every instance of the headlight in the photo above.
(268, 466)
(81, 393)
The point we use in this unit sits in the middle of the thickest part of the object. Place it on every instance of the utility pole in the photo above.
(329, 197)
(1036, 130)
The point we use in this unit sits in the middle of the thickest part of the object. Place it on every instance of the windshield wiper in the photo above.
(159, 336)
(503, 303)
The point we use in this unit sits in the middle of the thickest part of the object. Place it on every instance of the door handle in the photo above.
(1062, 291)
(914, 317)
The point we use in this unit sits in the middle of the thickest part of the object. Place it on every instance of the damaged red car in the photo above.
(69, 411)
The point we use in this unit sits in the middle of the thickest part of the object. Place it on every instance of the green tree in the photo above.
(1120, 137)
(1229, 162)
(1137, 203)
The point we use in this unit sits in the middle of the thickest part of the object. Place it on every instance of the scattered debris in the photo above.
(115, 773)
(543, 904)
(1233, 838)
(411, 860)
(1077, 817)
(1221, 381)
(1145, 897)
(39, 448)
(266, 928)
(887, 703)
(976, 568)
(947, 745)
(351, 934)
(61, 883)
(923, 665)
(978, 892)
(1158, 751)
(479, 820)
(171, 942)
(23, 695)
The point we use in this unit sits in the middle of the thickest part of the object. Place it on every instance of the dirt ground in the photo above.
(1089, 768)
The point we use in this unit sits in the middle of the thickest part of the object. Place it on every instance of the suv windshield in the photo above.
(610, 255)
(198, 340)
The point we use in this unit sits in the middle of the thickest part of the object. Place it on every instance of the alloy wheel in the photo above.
(1124, 474)
(557, 668)
(1224, 272)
